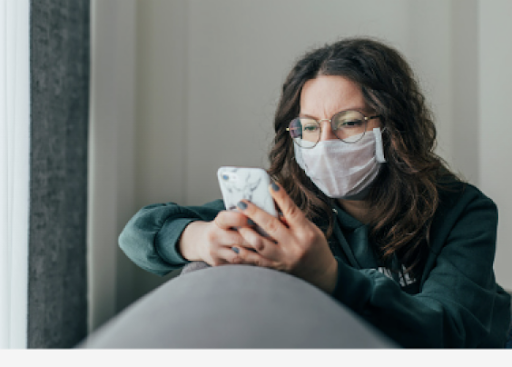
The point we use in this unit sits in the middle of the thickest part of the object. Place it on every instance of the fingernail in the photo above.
(241, 205)
(250, 222)
(235, 249)
(274, 186)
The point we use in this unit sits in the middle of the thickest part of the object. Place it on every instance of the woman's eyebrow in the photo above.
(306, 115)
(364, 110)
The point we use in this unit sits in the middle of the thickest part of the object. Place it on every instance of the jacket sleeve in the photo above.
(459, 303)
(151, 237)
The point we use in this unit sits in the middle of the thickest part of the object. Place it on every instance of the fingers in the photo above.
(226, 238)
(293, 216)
(270, 224)
(242, 247)
(221, 238)
(262, 245)
(248, 257)
(229, 219)
(226, 255)
(222, 253)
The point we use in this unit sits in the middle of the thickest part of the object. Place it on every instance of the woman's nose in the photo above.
(327, 133)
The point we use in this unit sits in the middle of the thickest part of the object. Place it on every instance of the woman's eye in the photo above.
(351, 123)
(310, 128)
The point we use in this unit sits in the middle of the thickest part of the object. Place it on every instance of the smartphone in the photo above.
(237, 183)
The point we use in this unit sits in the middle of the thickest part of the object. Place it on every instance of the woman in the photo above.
(370, 214)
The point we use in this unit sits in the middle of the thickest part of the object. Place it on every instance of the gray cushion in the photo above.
(237, 306)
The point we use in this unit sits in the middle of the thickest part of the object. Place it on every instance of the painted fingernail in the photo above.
(235, 249)
(274, 186)
(250, 222)
(241, 205)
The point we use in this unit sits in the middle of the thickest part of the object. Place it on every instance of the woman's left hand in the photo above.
(294, 245)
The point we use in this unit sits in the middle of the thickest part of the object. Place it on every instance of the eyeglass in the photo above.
(348, 126)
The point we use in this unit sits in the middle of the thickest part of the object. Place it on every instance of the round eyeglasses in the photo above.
(348, 126)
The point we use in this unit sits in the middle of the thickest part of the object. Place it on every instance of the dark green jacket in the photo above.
(456, 303)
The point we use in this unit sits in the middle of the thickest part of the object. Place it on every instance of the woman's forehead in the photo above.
(325, 95)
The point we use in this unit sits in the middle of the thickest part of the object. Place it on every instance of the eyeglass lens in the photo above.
(348, 126)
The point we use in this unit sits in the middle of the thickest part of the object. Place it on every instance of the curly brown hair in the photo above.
(405, 196)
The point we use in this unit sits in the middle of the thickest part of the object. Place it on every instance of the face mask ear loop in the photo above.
(379, 147)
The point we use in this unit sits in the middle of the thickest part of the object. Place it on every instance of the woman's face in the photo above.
(326, 95)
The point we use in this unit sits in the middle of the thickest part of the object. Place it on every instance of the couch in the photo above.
(237, 306)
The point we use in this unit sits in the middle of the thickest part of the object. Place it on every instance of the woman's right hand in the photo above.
(212, 242)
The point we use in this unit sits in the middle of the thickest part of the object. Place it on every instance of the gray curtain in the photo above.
(59, 66)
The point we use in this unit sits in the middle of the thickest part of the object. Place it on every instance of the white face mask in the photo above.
(343, 170)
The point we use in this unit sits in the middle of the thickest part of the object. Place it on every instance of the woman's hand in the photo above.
(212, 242)
(295, 245)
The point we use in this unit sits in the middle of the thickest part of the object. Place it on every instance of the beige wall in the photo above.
(111, 155)
(495, 124)
(201, 80)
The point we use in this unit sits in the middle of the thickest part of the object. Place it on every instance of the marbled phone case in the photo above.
(237, 183)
